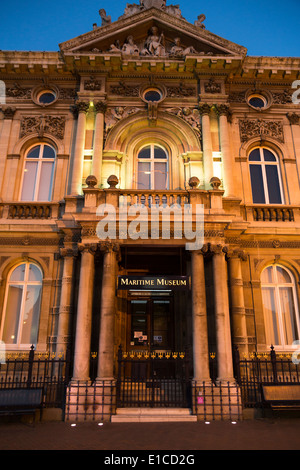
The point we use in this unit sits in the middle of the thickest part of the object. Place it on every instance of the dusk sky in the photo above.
(265, 28)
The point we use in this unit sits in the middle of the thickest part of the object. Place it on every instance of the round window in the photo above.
(47, 97)
(152, 95)
(257, 101)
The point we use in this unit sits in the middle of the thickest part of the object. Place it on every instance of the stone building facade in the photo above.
(150, 110)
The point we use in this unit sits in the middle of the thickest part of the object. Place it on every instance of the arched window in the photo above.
(280, 306)
(38, 174)
(153, 168)
(22, 306)
(265, 177)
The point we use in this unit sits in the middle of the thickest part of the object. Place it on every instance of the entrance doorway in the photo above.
(151, 324)
(150, 371)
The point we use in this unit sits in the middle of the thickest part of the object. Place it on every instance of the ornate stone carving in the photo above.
(132, 9)
(90, 247)
(199, 21)
(8, 112)
(223, 110)
(106, 19)
(180, 91)
(114, 115)
(237, 97)
(204, 109)
(293, 118)
(212, 87)
(154, 44)
(82, 106)
(100, 107)
(18, 92)
(40, 125)
(92, 84)
(179, 51)
(258, 127)
(283, 97)
(125, 90)
(191, 116)
(67, 93)
(68, 252)
(129, 47)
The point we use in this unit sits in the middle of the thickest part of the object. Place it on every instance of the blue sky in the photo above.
(265, 28)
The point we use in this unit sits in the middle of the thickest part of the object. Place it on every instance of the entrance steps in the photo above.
(152, 415)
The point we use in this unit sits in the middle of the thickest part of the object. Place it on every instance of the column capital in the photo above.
(8, 112)
(68, 252)
(293, 118)
(236, 254)
(87, 248)
(223, 110)
(80, 107)
(110, 247)
(204, 108)
(217, 249)
(202, 251)
(100, 107)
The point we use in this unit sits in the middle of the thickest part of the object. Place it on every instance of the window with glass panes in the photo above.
(280, 306)
(22, 306)
(153, 168)
(265, 177)
(38, 174)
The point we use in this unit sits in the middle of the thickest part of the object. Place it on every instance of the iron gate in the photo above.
(153, 379)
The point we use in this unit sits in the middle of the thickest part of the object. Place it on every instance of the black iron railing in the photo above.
(262, 369)
(153, 379)
(47, 371)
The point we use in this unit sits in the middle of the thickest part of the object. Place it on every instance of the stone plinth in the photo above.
(90, 402)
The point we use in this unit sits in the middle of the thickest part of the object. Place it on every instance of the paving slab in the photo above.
(264, 434)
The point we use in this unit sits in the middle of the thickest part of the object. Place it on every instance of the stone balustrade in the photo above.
(272, 213)
(30, 210)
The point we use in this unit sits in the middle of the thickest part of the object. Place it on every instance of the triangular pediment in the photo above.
(134, 36)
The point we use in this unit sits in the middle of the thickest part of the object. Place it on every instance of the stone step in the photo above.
(147, 415)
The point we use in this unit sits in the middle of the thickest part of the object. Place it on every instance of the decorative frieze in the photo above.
(122, 89)
(18, 92)
(212, 87)
(283, 97)
(92, 84)
(180, 91)
(237, 97)
(54, 125)
(250, 128)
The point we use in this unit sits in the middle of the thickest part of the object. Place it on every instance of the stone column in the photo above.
(107, 314)
(84, 314)
(64, 321)
(8, 113)
(200, 336)
(238, 313)
(100, 108)
(77, 168)
(222, 317)
(227, 160)
(207, 144)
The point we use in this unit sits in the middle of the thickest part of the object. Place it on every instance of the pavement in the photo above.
(116, 438)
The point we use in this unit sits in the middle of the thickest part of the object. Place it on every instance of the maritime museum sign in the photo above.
(153, 282)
